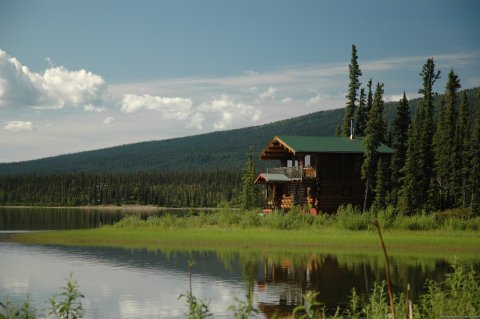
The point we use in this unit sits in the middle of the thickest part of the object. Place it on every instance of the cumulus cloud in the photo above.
(73, 87)
(56, 88)
(314, 100)
(286, 100)
(108, 120)
(93, 108)
(325, 101)
(225, 111)
(196, 121)
(170, 107)
(269, 93)
(398, 97)
(19, 126)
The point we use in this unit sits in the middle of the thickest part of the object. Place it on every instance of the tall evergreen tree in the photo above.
(443, 142)
(249, 196)
(475, 160)
(461, 154)
(369, 96)
(380, 200)
(400, 140)
(418, 170)
(353, 86)
(374, 134)
(362, 114)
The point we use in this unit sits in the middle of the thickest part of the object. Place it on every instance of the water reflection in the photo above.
(43, 218)
(120, 283)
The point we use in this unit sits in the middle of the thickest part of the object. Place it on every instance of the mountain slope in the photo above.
(217, 150)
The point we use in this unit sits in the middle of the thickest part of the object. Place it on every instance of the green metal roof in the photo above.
(327, 144)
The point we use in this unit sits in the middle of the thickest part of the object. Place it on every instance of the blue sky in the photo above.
(81, 75)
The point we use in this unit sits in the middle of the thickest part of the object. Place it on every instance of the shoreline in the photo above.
(114, 207)
(450, 243)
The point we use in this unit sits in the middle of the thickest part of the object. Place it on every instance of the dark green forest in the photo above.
(168, 188)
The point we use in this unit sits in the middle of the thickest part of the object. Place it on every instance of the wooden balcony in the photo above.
(294, 172)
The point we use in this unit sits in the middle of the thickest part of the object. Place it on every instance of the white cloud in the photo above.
(93, 108)
(73, 88)
(19, 126)
(196, 121)
(18, 86)
(226, 111)
(397, 97)
(314, 100)
(269, 93)
(324, 101)
(108, 120)
(170, 107)
(286, 100)
(56, 88)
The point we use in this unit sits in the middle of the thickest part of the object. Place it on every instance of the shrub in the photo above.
(416, 222)
(227, 217)
(276, 220)
(130, 221)
(348, 217)
(458, 295)
(386, 217)
(251, 218)
(67, 304)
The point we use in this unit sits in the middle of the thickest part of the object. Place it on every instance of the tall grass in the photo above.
(346, 218)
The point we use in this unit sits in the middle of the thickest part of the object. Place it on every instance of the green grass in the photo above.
(215, 238)
(347, 231)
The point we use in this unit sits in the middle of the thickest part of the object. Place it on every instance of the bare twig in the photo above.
(387, 269)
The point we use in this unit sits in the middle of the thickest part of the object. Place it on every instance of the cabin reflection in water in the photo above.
(289, 281)
(321, 172)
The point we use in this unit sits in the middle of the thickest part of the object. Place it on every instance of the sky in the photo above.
(83, 75)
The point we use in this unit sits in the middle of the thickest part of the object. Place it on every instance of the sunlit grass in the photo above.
(329, 239)
(348, 231)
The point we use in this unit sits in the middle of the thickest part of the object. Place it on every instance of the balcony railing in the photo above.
(294, 172)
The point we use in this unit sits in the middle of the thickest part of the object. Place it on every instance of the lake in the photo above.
(123, 283)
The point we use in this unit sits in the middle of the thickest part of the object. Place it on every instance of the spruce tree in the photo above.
(446, 160)
(353, 86)
(374, 134)
(400, 140)
(362, 115)
(418, 170)
(249, 196)
(461, 154)
(369, 96)
(380, 200)
(475, 160)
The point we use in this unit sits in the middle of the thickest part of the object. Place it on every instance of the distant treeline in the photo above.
(170, 189)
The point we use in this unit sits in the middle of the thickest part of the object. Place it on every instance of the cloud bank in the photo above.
(56, 88)
(19, 126)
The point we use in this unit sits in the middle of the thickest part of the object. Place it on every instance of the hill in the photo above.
(224, 150)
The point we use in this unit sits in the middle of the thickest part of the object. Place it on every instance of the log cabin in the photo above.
(321, 172)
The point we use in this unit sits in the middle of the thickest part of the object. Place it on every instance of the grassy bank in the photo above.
(228, 229)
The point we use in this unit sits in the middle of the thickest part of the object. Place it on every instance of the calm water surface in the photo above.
(122, 283)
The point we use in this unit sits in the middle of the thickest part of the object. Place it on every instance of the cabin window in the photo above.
(289, 163)
(307, 161)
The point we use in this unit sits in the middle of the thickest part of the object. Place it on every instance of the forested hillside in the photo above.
(197, 171)
(218, 150)
(225, 150)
